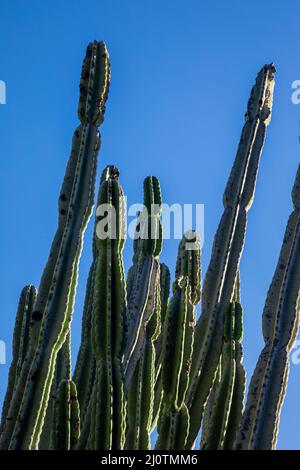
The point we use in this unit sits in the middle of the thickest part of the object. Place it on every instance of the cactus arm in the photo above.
(164, 300)
(221, 274)
(267, 389)
(144, 275)
(54, 304)
(178, 346)
(21, 343)
(109, 322)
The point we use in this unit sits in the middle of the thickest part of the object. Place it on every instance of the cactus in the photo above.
(221, 274)
(109, 320)
(144, 314)
(144, 275)
(21, 343)
(55, 300)
(280, 323)
(142, 361)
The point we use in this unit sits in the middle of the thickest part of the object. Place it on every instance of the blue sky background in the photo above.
(181, 75)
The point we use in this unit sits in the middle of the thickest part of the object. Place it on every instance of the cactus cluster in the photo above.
(145, 362)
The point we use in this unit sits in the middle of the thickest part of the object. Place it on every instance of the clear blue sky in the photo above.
(181, 75)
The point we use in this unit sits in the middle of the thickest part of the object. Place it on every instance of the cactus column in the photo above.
(55, 301)
(144, 319)
(228, 245)
(144, 275)
(280, 323)
(109, 317)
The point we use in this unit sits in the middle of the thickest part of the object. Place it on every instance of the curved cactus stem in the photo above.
(21, 343)
(54, 304)
(280, 322)
(109, 318)
(220, 278)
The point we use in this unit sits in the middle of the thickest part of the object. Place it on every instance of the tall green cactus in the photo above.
(142, 361)
(109, 317)
(144, 318)
(280, 324)
(220, 278)
(55, 300)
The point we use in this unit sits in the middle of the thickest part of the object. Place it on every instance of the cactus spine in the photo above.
(280, 323)
(220, 278)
